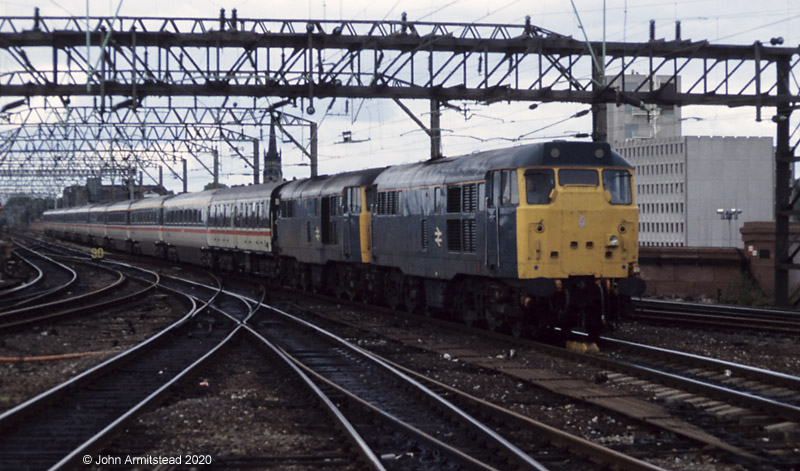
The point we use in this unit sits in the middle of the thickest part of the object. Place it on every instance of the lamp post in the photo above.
(728, 215)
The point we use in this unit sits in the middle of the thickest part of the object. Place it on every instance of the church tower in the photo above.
(272, 158)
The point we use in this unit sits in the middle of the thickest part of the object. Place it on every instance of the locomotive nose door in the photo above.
(351, 215)
(346, 221)
(502, 199)
(492, 248)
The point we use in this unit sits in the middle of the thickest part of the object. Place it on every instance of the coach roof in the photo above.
(246, 193)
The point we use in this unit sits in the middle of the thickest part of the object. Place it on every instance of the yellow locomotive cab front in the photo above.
(585, 226)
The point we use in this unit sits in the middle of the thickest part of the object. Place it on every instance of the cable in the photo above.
(64, 356)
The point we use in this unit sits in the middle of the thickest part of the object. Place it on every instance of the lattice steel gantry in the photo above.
(136, 58)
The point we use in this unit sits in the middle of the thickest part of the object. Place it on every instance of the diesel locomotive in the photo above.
(518, 239)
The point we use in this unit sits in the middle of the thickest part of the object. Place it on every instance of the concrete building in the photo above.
(95, 192)
(682, 182)
(653, 122)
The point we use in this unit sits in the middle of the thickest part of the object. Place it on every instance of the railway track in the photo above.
(328, 385)
(748, 434)
(386, 408)
(60, 427)
(389, 409)
(52, 278)
(122, 289)
(35, 276)
(759, 404)
(56, 428)
(717, 316)
(552, 448)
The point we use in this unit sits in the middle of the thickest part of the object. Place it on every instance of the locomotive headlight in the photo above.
(613, 240)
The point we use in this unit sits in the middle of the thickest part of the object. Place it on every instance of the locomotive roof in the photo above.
(474, 166)
(263, 191)
(329, 184)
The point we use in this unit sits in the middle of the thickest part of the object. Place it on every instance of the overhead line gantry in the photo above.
(308, 60)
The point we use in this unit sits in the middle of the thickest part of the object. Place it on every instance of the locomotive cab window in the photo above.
(539, 184)
(618, 184)
(578, 176)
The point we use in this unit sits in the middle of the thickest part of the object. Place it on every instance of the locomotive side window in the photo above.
(287, 208)
(618, 183)
(509, 194)
(438, 197)
(353, 203)
(502, 188)
(371, 197)
(539, 183)
(576, 176)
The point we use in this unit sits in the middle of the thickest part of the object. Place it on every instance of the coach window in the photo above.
(264, 214)
(539, 184)
(618, 184)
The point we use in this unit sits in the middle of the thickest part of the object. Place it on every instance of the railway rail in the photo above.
(717, 316)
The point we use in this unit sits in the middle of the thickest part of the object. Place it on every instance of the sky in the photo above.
(387, 136)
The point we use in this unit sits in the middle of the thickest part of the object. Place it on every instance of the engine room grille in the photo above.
(462, 198)
(461, 235)
(454, 235)
(454, 199)
(470, 198)
(468, 227)
(388, 203)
